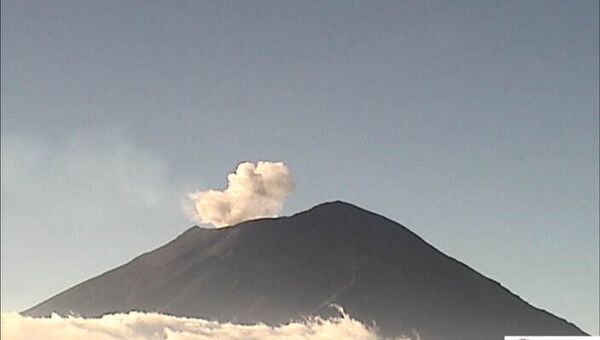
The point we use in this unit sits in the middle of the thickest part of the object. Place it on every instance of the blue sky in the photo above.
(475, 124)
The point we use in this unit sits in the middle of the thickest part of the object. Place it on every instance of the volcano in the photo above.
(275, 270)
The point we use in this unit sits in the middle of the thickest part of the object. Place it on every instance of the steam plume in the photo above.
(254, 190)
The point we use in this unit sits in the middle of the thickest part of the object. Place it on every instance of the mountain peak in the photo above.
(335, 207)
(275, 270)
(336, 203)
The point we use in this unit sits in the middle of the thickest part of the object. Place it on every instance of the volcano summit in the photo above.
(274, 270)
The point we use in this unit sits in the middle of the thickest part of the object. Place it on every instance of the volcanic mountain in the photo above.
(278, 269)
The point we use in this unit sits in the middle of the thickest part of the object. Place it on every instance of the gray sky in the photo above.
(475, 124)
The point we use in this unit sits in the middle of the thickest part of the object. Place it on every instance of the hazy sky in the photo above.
(475, 124)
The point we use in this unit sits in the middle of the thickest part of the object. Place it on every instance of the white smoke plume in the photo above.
(154, 326)
(254, 190)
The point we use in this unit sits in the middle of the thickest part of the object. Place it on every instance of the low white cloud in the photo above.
(254, 190)
(154, 326)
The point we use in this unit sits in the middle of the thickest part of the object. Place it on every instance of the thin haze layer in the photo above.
(154, 326)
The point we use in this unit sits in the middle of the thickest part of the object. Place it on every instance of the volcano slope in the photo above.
(280, 269)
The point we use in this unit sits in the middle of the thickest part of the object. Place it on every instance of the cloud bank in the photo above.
(154, 326)
(74, 195)
(254, 190)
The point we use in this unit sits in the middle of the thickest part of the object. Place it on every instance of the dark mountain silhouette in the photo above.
(274, 270)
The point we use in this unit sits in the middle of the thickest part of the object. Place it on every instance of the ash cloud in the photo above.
(253, 190)
(154, 326)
